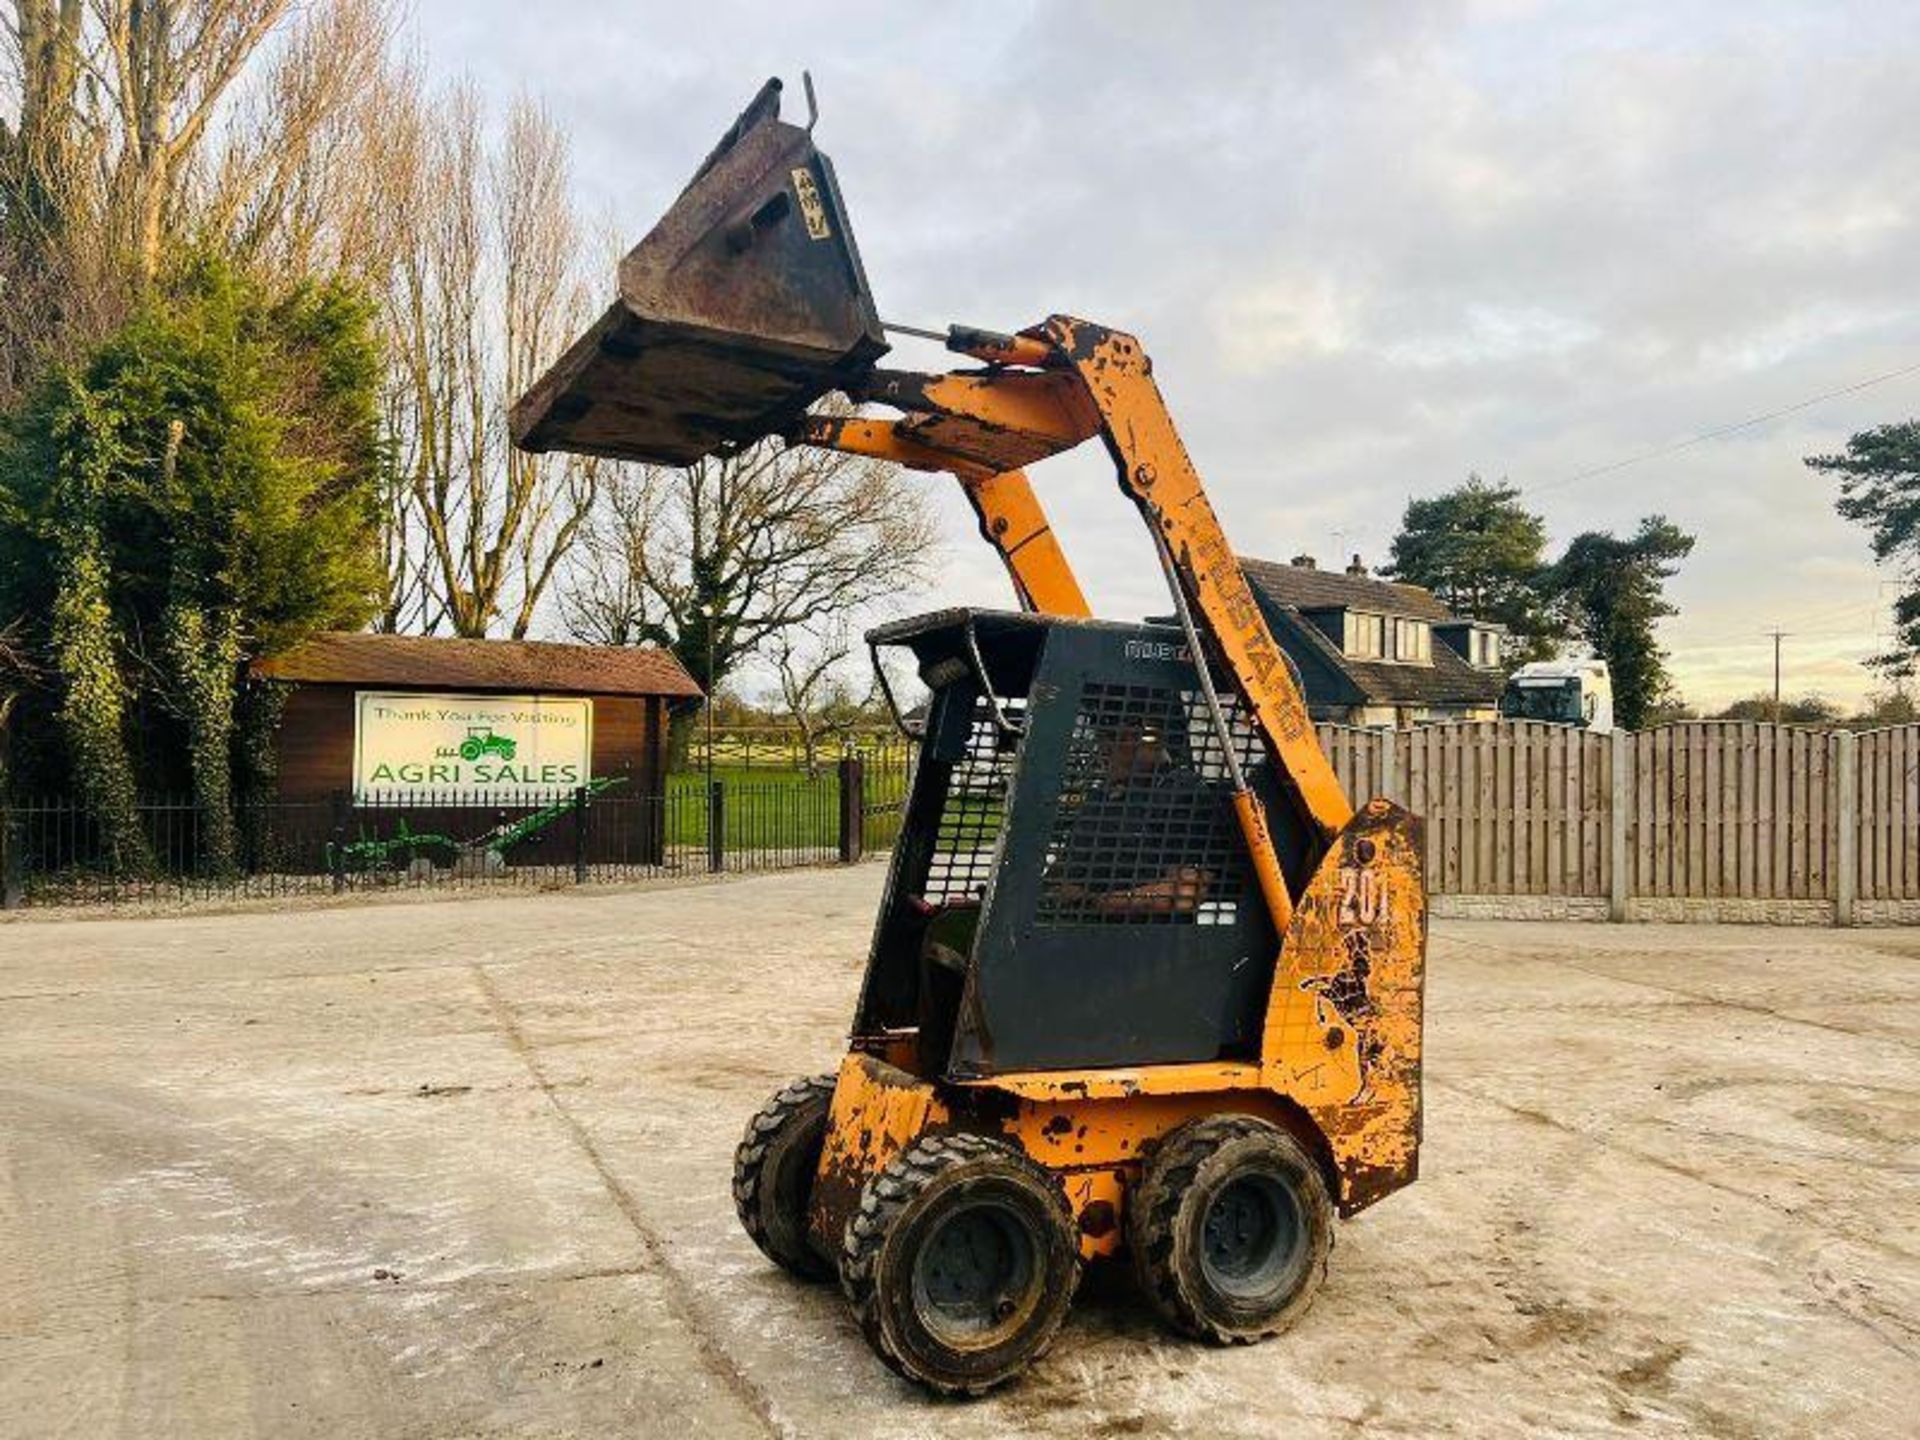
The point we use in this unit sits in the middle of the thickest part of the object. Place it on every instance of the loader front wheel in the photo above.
(773, 1172)
(961, 1262)
(1230, 1229)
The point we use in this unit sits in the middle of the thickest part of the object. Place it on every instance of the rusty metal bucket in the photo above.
(745, 304)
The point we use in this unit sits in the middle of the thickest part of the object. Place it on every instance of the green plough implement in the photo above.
(378, 853)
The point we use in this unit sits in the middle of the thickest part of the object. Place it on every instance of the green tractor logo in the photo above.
(482, 741)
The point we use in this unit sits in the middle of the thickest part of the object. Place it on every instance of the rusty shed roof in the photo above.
(427, 662)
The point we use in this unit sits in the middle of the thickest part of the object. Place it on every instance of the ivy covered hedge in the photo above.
(202, 488)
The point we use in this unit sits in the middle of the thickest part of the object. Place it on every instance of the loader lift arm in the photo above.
(1044, 391)
(1010, 514)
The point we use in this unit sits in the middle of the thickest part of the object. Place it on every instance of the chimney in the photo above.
(1302, 562)
(1357, 569)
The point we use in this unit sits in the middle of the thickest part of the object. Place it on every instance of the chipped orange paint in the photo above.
(1042, 406)
(1098, 1198)
(1096, 1146)
(1070, 1086)
(1343, 1028)
(878, 1110)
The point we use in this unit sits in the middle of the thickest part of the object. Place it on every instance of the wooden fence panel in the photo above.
(1822, 819)
(1356, 758)
(1734, 809)
(1511, 807)
(1887, 814)
(1652, 812)
(1589, 829)
(1719, 809)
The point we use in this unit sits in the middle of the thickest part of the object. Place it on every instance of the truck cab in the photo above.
(1562, 692)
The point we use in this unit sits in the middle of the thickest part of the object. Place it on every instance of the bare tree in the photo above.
(118, 96)
(722, 559)
(604, 595)
(305, 178)
(486, 290)
(56, 288)
(163, 67)
(41, 55)
(245, 123)
(809, 665)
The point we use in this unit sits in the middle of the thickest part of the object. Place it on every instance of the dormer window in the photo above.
(1412, 641)
(1486, 648)
(1366, 636)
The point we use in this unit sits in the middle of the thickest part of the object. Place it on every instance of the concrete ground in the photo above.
(461, 1168)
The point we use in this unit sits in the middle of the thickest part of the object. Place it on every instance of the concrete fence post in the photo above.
(1619, 814)
(1389, 743)
(1846, 808)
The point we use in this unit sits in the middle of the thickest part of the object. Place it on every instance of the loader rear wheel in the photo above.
(1230, 1229)
(773, 1174)
(961, 1262)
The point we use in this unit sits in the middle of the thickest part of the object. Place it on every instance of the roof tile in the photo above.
(1306, 589)
(1448, 680)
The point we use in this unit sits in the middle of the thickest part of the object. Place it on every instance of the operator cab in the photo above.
(1070, 888)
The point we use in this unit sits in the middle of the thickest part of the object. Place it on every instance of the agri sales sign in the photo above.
(474, 743)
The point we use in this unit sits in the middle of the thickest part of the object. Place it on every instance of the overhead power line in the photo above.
(1720, 431)
(1860, 612)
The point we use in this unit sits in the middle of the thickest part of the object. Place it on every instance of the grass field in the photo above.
(775, 809)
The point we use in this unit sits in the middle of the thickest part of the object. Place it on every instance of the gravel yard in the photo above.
(460, 1167)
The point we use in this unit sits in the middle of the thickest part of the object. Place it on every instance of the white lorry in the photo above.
(1562, 692)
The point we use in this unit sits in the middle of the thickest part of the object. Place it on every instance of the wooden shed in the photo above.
(388, 715)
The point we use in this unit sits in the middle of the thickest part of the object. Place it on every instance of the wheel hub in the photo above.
(1250, 1235)
(976, 1273)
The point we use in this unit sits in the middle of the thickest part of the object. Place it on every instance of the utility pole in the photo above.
(1778, 636)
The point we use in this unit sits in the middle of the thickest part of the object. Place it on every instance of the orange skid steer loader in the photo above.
(1143, 982)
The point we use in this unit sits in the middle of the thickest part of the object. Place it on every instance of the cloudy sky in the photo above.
(1372, 248)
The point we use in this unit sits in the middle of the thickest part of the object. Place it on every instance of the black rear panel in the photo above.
(1124, 926)
(1075, 894)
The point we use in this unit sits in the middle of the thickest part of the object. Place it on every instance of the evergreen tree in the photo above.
(1880, 488)
(1610, 593)
(1483, 553)
(203, 487)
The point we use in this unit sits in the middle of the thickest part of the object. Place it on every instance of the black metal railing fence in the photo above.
(53, 851)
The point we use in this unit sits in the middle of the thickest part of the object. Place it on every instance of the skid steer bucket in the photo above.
(742, 307)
